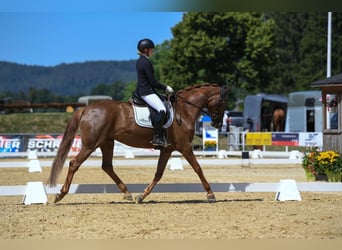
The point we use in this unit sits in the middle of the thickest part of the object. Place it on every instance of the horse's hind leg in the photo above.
(74, 165)
(107, 156)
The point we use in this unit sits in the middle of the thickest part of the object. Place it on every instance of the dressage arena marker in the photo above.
(288, 190)
(256, 154)
(32, 155)
(34, 164)
(295, 154)
(222, 154)
(35, 194)
(175, 163)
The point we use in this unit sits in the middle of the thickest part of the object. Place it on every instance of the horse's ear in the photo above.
(225, 89)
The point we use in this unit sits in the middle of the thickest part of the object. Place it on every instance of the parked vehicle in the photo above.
(93, 98)
(304, 113)
(260, 112)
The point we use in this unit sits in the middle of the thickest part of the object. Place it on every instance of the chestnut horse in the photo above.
(100, 123)
(278, 119)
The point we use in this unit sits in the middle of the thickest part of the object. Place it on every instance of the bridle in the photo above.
(220, 101)
(214, 115)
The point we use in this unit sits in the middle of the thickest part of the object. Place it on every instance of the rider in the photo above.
(147, 84)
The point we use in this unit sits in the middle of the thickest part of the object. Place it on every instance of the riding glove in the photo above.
(169, 90)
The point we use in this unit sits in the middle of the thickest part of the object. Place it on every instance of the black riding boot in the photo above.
(158, 136)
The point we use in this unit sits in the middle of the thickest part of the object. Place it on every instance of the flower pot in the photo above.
(321, 177)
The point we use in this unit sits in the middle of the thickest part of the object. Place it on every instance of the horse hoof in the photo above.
(57, 198)
(211, 198)
(138, 199)
(128, 197)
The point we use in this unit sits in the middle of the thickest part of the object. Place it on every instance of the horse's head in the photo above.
(209, 96)
(216, 106)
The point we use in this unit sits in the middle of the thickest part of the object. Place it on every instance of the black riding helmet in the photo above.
(145, 44)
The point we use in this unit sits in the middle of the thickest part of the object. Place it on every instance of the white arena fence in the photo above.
(286, 189)
(47, 146)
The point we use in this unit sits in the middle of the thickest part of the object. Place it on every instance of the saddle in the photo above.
(145, 115)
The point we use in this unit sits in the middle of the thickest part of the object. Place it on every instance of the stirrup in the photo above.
(158, 142)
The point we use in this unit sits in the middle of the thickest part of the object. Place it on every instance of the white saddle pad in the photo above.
(143, 119)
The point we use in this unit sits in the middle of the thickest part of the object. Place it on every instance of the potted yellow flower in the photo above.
(325, 165)
(210, 145)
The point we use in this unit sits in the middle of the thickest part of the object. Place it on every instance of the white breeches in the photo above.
(154, 101)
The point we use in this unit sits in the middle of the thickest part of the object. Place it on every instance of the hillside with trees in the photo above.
(65, 79)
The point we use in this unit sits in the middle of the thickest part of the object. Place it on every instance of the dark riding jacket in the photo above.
(147, 83)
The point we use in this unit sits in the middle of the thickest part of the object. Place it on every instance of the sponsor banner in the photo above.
(50, 143)
(285, 139)
(9, 144)
(43, 143)
(210, 135)
(314, 139)
(259, 138)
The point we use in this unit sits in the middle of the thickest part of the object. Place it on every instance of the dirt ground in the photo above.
(172, 215)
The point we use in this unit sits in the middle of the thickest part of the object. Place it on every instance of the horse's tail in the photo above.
(65, 145)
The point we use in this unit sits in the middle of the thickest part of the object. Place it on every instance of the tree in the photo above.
(300, 50)
(313, 50)
(336, 59)
(220, 47)
(160, 60)
(288, 33)
(128, 90)
(115, 90)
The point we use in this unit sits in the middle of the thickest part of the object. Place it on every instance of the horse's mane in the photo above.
(197, 86)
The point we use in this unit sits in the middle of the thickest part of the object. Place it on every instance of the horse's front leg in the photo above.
(190, 157)
(162, 161)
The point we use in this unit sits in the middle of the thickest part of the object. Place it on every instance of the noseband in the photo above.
(221, 100)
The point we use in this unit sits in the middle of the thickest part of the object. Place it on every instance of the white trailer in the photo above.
(93, 98)
(304, 112)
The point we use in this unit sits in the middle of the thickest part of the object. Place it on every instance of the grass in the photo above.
(34, 122)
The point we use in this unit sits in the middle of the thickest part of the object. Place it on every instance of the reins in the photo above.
(192, 104)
